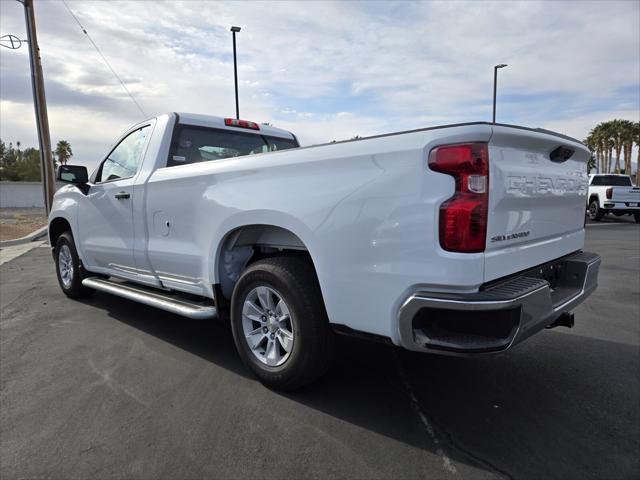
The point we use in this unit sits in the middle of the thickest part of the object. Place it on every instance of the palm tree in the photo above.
(592, 138)
(592, 145)
(18, 151)
(636, 139)
(599, 133)
(617, 132)
(617, 136)
(63, 152)
(610, 139)
(627, 143)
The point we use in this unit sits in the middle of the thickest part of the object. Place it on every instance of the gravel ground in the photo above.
(18, 222)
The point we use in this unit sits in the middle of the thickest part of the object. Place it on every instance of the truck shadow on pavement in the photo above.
(210, 340)
(626, 219)
(561, 405)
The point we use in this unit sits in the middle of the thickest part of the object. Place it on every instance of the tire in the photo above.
(69, 268)
(636, 217)
(595, 212)
(303, 326)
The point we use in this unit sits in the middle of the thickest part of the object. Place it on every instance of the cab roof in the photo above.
(218, 122)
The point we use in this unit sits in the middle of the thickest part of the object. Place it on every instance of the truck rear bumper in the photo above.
(624, 207)
(502, 314)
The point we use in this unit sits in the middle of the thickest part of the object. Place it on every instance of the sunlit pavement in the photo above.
(106, 388)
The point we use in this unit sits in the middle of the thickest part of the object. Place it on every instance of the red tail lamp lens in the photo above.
(463, 217)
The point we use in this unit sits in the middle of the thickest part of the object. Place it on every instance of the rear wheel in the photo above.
(595, 212)
(636, 216)
(279, 323)
(68, 268)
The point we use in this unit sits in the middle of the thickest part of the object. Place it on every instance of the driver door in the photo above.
(105, 221)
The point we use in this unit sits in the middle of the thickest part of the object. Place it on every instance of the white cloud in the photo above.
(325, 70)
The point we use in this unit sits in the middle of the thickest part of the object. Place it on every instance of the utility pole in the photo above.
(40, 104)
(235, 69)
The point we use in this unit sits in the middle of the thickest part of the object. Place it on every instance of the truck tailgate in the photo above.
(536, 204)
(626, 195)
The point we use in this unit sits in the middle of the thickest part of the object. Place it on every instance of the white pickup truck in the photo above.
(462, 239)
(613, 193)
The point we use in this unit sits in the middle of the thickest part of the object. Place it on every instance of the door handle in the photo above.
(121, 195)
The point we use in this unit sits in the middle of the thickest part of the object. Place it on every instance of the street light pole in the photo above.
(40, 103)
(495, 87)
(235, 69)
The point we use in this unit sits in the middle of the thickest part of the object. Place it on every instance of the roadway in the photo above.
(106, 388)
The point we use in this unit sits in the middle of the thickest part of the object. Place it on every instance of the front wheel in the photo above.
(279, 323)
(68, 268)
(636, 216)
(595, 212)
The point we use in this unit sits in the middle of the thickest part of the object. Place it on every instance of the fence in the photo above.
(22, 194)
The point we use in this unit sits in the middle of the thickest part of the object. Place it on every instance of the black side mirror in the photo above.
(75, 174)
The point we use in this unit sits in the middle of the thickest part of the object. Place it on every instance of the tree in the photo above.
(17, 165)
(627, 143)
(8, 162)
(602, 145)
(28, 169)
(636, 139)
(616, 139)
(605, 134)
(598, 136)
(615, 135)
(63, 152)
(592, 145)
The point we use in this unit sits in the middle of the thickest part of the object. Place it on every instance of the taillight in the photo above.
(609, 193)
(463, 217)
(232, 122)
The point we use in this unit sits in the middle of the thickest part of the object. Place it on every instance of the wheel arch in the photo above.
(247, 243)
(57, 227)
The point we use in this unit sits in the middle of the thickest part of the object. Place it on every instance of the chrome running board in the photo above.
(169, 303)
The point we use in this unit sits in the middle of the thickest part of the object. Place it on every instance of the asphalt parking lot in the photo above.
(107, 388)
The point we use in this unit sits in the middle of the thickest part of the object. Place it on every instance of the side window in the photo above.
(124, 160)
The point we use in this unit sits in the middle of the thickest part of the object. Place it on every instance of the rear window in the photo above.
(193, 144)
(611, 181)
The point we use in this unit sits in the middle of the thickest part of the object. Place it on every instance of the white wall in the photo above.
(22, 194)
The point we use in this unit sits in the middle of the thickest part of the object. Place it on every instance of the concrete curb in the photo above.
(27, 238)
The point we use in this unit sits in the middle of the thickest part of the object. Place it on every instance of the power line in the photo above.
(104, 59)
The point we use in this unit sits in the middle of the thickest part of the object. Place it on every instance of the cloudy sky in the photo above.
(321, 69)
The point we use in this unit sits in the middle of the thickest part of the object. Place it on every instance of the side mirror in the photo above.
(75, 174)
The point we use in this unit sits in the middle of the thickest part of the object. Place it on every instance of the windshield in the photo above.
(193, 144)
(611, 181)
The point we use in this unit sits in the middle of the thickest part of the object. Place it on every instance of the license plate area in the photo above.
(551, 272)
(565, 278)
